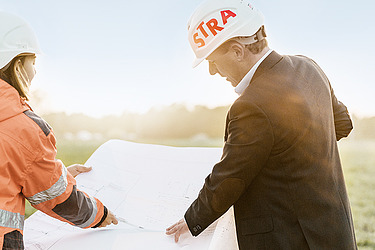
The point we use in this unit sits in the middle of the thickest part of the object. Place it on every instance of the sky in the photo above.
(108, 57)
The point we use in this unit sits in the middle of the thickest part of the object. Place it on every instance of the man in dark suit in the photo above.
(280, 167)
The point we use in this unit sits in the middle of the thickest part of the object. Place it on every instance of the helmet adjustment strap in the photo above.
(258, 36)
(261, 34)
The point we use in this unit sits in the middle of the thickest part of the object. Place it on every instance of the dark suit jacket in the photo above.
(280, 166)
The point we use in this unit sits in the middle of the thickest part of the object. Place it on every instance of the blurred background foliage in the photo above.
(171, 122)
(166, 123)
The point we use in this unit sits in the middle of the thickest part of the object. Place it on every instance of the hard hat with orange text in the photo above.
(216, 21)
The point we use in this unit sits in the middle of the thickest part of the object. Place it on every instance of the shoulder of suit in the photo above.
(245, 105)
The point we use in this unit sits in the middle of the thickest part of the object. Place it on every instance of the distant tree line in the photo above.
(171, 122)
(174, 121)
(364, 128)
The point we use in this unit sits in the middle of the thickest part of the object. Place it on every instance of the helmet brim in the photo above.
(8, 56)
(197, 61)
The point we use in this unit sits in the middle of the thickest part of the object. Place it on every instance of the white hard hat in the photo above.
(216, 21)
(16, 37)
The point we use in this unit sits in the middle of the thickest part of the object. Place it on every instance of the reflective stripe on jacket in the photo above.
(28, 169)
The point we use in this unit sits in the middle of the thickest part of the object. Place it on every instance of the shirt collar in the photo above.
(244, 83)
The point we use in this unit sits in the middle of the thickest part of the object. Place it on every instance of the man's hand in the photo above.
(178, 229)
(76, 169)
(111, 219)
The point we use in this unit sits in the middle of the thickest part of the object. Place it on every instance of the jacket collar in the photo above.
(11, 104)
(267, 64)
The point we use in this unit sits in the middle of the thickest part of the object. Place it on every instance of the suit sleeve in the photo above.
(49, 187)
(247, 147)
(343, 123)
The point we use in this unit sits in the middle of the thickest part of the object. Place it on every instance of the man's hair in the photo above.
(257, 47)
(254, 48)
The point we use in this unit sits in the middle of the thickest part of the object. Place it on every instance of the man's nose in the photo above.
(212, 68)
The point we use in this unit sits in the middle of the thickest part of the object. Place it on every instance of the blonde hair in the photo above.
(16, 76)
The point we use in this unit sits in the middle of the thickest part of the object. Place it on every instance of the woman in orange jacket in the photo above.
(28, 168)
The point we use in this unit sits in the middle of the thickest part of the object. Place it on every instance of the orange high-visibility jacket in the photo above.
(28, 169)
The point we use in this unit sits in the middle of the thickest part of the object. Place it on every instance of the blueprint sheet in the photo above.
(148, 187)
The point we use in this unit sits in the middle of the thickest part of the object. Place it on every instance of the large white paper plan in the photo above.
(148, 187)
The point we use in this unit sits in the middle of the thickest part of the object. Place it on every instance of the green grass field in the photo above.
(358, 160)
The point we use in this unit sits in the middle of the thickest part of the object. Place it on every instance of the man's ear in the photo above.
(238, 50)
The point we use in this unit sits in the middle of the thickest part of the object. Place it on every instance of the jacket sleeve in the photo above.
(247, 147)
(49, 187)
(343, 123)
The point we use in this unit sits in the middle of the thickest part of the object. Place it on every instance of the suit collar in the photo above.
(267, 64)
(244, 83)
